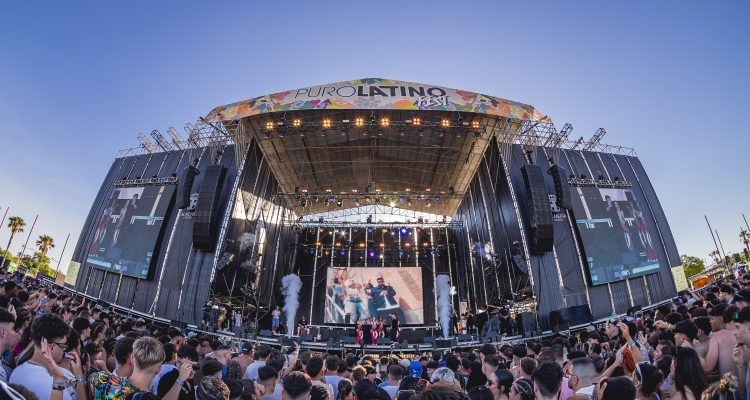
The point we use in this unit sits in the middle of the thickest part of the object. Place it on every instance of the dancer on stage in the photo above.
(359, 332)
(276, 321)
(395, 329)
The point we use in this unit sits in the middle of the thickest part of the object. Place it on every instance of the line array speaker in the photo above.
(205, 219)
(562, 189)
(185, 186)
(540, 212)
(520, 263)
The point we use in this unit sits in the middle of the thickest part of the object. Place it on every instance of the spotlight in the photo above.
(356, 202)
(392, 203)
(339, 203)
(429, 204)
(445, 123)
(475, 124)
(361, 245)
(326, 123)
(368, 199)
(401, 199)
(478, 134)
(359, 122)
(297, 123)
(437, 199)
(416, 121)
(384, 122)
(331, 199)
(404, 230)
(269, 125)
(342, 253)
(401, 131)
(381, 244)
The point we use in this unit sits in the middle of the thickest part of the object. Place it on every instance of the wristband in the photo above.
(58, 386)
(180, 382)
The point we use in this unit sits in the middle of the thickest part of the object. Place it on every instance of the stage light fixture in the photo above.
(478, 134)
(269, 125)
(475, 124)
(318, 244)
(326, 123)
(356, 202)
(416, 121)
(297, 123)
(359, 122)
(331, 199)
(445, 123)
(385, 230)
(429, 204)
(401, 199)
(392, 203)
(404, 230)
(381, 244)
(407, 244)
(339, 203)
(401, 131)
(384, 122)
(437, 199)
(361, 245)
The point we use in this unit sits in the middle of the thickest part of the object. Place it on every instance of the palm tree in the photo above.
(16, 225)
(44, 243)
(745, 238)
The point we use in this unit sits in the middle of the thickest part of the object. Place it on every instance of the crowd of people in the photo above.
(55, 346)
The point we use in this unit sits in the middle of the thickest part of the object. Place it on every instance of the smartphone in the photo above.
(68, 356)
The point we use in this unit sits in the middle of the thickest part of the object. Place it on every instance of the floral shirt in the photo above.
(109, 386)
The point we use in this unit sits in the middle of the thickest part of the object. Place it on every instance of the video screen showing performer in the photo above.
(358, 294)
(129, 228)
(616, 237)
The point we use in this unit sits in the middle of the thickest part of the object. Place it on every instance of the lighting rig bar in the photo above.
(171, 180)
(377, 197)
(379, 225)
(456, 126)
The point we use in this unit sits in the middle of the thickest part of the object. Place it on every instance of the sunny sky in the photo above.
(80, 79)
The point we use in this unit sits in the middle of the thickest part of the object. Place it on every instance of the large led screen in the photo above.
(129, 229)
(617, 240)
(359, 293)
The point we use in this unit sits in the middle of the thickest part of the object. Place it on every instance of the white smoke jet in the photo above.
(443, 287)
(246, 240)
(290, 287)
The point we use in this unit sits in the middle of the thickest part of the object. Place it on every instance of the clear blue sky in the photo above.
(79, 80)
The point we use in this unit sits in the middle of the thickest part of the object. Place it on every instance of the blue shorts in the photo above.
(276, 323)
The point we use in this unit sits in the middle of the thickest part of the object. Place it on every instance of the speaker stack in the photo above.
(205, 219)
(562, 188)
(185, 186)
(540, 212)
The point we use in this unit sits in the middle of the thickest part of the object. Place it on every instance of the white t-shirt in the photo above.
(35, 377)
(252, 370)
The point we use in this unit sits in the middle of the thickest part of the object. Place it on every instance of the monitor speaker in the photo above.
(185, 185)
(306, 338)
(540, 212)
(564, 318)
(266, 333)
(384, 341)
(526, 324)
(205, 219)
(349, 340)
(429, 339)
(464, 338)
(562, 189)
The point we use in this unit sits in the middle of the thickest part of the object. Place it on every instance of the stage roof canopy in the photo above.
(311, 139)
(375, 94)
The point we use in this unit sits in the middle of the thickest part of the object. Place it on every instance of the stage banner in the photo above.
(376, 94)
(680, 280)
(72, 274)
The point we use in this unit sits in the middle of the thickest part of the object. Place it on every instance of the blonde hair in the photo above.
(724, 389)
(147, 352)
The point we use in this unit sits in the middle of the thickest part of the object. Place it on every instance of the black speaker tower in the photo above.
(540, 212)
(206, 217)
(562, 189)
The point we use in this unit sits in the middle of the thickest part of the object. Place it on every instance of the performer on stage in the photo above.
(378, 332)
(302, 327)
(367, 331)
(359, 332)
(394, 333)
(276, 320)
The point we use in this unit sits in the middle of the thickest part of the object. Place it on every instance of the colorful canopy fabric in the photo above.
(375, 94)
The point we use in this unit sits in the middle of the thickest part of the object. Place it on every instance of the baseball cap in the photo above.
(247, 347)
(415, 369)
(742, 295)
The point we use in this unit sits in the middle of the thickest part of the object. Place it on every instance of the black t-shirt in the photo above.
(167, 381)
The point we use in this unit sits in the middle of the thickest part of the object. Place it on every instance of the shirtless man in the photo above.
(704, 330)
(721, 344)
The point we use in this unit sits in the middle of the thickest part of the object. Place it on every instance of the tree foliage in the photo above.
(692, 265)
